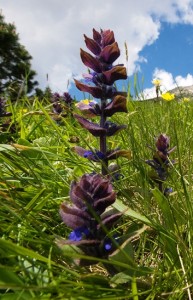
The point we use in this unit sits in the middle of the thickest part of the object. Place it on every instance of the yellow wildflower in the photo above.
(186, 99)
(168, 96)
(85, 101)
(23, 110)
(156, 82)
(87, 107)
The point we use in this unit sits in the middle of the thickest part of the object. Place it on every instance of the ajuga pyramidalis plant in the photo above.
(94, 193)
(160, 162)
(62, 104)
(100, 84)
(3, 112)
(6, 126)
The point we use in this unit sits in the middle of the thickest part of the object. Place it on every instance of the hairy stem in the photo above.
(103, 139)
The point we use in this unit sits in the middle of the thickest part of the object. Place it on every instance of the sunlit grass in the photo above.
(37, 167)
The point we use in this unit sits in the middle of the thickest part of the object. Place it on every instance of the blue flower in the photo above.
(97, 155)
(168, 191)
(117, 176)
(78, 234)
(109, 243)
(107, 246)
(88, 153)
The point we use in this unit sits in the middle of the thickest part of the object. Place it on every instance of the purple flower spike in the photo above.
(162, 143)
(105, 51)
(96, 193)
(3, 112)
(67, 98)
(160, 162)
(163, 151)
(87, 217)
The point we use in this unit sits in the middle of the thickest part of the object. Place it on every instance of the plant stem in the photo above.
(103, 140)
(134, 289)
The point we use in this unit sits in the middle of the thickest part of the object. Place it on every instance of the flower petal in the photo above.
(102, 187)
(73, 217)
(163, 143)
(101, 204)
(108, 37)
(79, 150)
(86, 198)
(90, 61)
(88, 109)
(119, 104)
(76, 199)
(91, 155)
(116, 73)
(113, 128)
(92, 45)
(93, 128)
(168, 96)
(96, 36)
(117, 153)
(110, 53)
(96, 92)
(109, 220)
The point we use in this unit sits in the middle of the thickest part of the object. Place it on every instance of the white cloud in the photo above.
(168, 82)
(52, 30)
(180, 81)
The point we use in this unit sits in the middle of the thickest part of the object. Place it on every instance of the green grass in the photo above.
(36, 169)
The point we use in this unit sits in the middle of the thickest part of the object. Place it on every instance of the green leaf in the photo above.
(24, 142)
(120, 278)
(131, 213)
(70, 252)
(9, 277)
(6, 147)
(19, 250)
(124, 254)
(19, 295)
(35, 199)
(165, 207)
(95, 279)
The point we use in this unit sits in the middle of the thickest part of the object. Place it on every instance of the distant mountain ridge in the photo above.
(179, 92)
(183, 91)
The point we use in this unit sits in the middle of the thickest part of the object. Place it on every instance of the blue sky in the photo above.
(159, 36)
(172, 52)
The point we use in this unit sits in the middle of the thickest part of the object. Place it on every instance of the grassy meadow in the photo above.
(37, 166)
